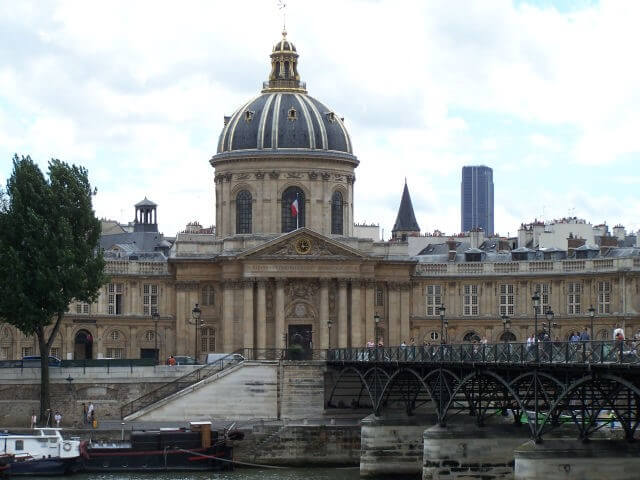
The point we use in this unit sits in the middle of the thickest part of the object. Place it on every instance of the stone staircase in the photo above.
(180, 384)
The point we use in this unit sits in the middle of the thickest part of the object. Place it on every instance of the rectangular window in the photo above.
(149, 299)
(574, 291)
(54, 352)
(115, 352)
(27, 351)
(379, 297)
(207, 340)
(82, 308)
(544, 290)
(470, 300)
(434, 300)
(4, 353)
(604, 297)
(115, 299)
(208, 296)
(507, 299)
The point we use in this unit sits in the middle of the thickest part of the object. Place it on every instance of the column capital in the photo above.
(343, 282)
(280, 282)
(369, 282)
(247, 283)
(324, 282)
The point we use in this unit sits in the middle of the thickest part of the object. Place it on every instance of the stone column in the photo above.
(342, 314)
(394, 315)
(369, 312)
(356, 316)
(247, 323)
(405, 328)
(261, 315)
(324, 314)
(279, 315)
(227, 317)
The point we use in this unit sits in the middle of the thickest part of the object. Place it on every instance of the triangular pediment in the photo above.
(302, 243)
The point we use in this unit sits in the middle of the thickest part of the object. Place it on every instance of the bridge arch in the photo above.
(409, 403)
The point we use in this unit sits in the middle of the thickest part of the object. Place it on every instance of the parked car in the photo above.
(208, 358)
(34, 361)
(184, 360)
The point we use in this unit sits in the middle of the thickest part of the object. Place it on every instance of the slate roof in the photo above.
(406, 219)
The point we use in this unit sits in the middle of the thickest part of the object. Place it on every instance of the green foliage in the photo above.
(49, 251)
(48, 244)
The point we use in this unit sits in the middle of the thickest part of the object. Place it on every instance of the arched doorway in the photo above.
(300, 319)
(507, 337)
(83, 345)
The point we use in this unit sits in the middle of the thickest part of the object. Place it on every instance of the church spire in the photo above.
(284, 74)
(406, 224)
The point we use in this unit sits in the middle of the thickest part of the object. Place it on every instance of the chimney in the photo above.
(573, 243)
(452, 244)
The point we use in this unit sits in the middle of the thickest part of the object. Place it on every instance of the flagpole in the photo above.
(297, 213)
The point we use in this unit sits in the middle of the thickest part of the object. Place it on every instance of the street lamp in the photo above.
(536, 308)
(443, 322)
(329, 324)
(156, 317)
(376, 319)
(506, 324)
(551, 323)
(195, 314)
(592, 314)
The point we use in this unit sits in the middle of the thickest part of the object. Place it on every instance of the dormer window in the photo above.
(292, 114)
(331, 117)
(248, 115)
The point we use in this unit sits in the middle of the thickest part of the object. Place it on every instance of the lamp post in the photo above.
(536, 306)
(592, 314)
(506, 324)
(551, 323)
(443, 321)
(195, 314)
(329, 324)
(376, 319)
(156, 317)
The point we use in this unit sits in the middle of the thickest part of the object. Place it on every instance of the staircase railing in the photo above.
(181, 383)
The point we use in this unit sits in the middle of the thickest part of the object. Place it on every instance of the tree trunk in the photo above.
(45, 398)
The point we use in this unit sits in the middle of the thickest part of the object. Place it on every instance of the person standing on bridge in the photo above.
(584, 336)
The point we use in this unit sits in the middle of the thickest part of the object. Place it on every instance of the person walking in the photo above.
(58, 418)
(34, 419)
(85, 414)
(172, 361)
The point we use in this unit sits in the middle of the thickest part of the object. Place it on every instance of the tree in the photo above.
(49, 255)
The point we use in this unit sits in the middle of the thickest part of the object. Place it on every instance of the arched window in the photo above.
(243, 212)
(471, 337)
(507, 337)
(289, 220)
(336, 213)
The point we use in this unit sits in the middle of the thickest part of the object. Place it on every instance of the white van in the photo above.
(229, 358)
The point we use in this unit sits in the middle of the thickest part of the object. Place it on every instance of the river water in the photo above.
(238, 474)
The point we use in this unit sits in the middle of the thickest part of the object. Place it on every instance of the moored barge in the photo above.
(196, 448)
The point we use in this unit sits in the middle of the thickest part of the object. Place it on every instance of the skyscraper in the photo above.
(476, 198)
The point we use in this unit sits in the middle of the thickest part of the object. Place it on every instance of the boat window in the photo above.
(48, 432)
(53, 440)
(19, 445)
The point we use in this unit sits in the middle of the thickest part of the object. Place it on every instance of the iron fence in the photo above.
(625, 352)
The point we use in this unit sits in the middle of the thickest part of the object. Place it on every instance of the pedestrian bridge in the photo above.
(544, 384)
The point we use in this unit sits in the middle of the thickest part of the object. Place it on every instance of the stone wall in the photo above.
(302, 390)
(300, 445)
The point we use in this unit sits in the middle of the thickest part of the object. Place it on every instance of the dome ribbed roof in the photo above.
(282, 120)
(284, 116)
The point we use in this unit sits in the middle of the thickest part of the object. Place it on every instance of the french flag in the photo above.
(294, 208)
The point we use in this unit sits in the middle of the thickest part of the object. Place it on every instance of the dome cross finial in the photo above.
(282, 5)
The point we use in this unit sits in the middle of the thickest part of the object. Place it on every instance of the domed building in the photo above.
(279, 147)
(284, 266)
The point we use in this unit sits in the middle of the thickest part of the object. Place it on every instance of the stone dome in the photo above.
(284, 120)
(284, 116)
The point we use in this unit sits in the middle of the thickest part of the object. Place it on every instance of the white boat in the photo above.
(43, 452)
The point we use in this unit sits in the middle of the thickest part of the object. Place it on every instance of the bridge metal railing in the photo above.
(594, 352)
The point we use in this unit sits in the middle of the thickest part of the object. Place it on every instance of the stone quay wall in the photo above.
(107, 389)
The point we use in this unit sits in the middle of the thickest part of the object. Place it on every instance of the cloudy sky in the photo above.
(544, 92)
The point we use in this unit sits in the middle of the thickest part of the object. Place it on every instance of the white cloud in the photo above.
(136, 91)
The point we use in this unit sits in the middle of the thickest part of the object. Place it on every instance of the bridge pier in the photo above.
(465, 450)
(565, 458)
(392, 444)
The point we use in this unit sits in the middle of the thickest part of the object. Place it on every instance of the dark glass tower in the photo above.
(476, 198)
